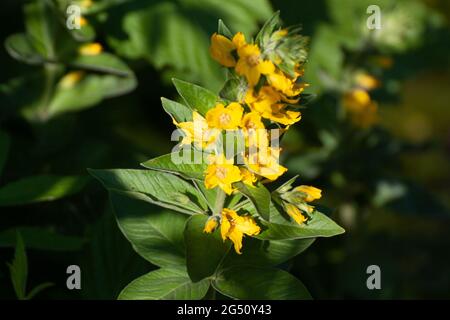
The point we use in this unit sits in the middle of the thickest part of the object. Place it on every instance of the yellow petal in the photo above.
(221, 48)
(210, 225)
(71, 79)
(295, 213)
(266, 67)
(312, 193)
(90, 49)
(366, 81)
(239, 40)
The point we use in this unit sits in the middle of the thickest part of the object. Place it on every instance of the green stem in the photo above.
(220, 201)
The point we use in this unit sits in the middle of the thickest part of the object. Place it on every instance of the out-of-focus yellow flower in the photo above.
(312, 193)
(295, 213)
(86, 3)
(223, 173)
(228, 118)
(356, 100)
(234, 227)
(362, 110)
(197, 131)
(366, 81)
(70, 79)
(221, 50)
(82, 21)
(366, 117)
(247, 177)
(210, 225)
(265, 162)
(90, 49)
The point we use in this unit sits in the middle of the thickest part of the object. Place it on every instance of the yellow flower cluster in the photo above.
(268, 102)
(296, 202)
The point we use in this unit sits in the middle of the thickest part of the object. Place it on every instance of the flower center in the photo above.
(221, 173)
(253, 60)
(224, 118)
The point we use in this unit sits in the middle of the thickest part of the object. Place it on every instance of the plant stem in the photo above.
(220, 201)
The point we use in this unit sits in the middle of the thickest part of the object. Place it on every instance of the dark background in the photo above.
(360, 171)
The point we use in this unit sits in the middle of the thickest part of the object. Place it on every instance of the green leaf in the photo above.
(156, 235)
(42, 239)
(204, 252)
(210, 194)
(233, 90)
(19, 269)
(325, 59)
(108, 250)
(259, 196)
(267, 29)
(196, 97)
(282, 227)
(42, 26)
(223, 29)
(4, 149)
(266, 253)
(165, 284)
(40, 188)
(174, 36)
(161, 188)
(178, 111)
(106, 76)
(257, 283)
(191, 164)
(38, 289)
(20, 47)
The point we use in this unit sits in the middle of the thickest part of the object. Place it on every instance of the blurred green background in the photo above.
(388, 184)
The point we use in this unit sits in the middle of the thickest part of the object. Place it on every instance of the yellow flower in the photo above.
(223, 173)
(90, 49)
(82, 21)
(366, 81)
(312, 193)
(267, 103)
(234, 227)
(366, 117)
(279, 113)
(265, 162)
(225, 118)
(262, 100)
(254, 131)
(70, 79)
(210, 225)
(295, 213)
(250, 63)
(284, 84)
(197, 131)
(247, 177)
(221, 50)
(86, 3)
(362, 110)
(356, 100)
(252, 121)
